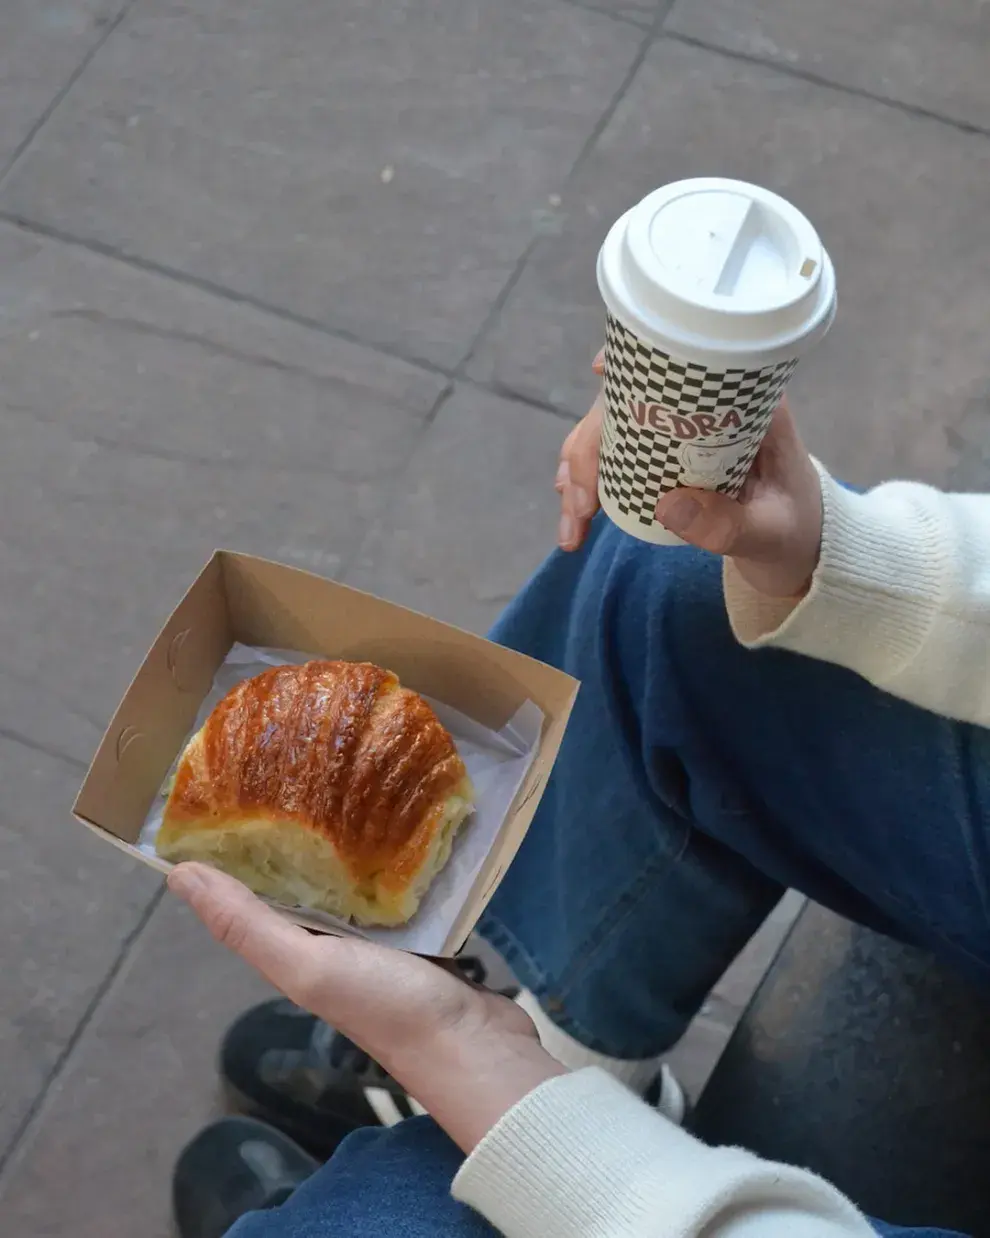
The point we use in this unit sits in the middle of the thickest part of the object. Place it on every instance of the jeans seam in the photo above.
(931, 924)
(510, 947)
(509, 944)
(934, 929)
(969, 836)
(622, 907)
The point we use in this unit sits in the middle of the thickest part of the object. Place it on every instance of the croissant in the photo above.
(325, 785)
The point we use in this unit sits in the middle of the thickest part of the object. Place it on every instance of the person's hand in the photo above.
(772, 531)
(467, 1055)
(577, 474)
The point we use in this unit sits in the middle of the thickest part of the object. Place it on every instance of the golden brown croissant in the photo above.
(325, 785)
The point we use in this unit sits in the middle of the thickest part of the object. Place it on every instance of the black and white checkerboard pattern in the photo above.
(639, 463)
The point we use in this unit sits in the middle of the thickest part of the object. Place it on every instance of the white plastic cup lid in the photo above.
(719, 272)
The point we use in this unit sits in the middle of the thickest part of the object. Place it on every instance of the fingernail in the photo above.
(565, 534)
(680, 514)
(563, 474)
(184, 882)
(581, 501)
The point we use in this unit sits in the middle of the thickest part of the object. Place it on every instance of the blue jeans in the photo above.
(696, 782)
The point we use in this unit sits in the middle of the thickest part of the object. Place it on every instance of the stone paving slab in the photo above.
(68, 905)
(141, 1083)
(145, 423)
(41, 46)
(932, 56)
(376, 167)
(901, 201)
(474, 514)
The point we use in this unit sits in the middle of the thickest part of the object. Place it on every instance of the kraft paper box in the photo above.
(241, 607)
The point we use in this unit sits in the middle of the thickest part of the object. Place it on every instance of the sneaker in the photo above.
(280, 1063)
(235, 1166)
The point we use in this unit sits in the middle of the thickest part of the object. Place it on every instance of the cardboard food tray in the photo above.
(239, 598)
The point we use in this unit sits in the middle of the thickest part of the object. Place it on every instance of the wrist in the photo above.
(754, 613)
(467, 1081)
(783, 568)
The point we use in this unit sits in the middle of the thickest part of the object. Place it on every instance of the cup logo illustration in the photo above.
(706, 464)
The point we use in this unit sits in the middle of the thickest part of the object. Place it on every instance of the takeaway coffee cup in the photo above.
(714, 289)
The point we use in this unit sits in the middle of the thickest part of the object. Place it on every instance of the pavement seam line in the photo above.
(458, 377)
(36, 745)
(495, 309)
(221, 292)
(381, 521)
(22, 147)
(23, 1130)
(187, 279)
(643, 22)
(657, 34)
(816, 79)
(184, 279)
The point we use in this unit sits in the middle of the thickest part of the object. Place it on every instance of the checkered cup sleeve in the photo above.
(670, 423)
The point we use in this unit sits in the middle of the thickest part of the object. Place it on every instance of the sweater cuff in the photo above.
(874, 594)
(582, 1155)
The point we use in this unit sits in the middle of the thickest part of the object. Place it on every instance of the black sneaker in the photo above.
(235, 1166)
(282, 1064)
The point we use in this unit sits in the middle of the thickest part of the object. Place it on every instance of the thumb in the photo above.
(708, 520)
(282, 952)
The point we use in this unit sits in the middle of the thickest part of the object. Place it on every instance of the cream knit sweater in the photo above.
(902, 596)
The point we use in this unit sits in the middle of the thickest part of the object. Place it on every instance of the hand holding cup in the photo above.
(772, 530)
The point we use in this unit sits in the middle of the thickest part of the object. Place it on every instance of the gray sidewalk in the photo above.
(314, 279)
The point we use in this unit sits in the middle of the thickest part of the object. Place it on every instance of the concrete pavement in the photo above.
(315, 280)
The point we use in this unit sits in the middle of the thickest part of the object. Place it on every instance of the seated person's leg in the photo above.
(697, 780)
(392, 1183)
